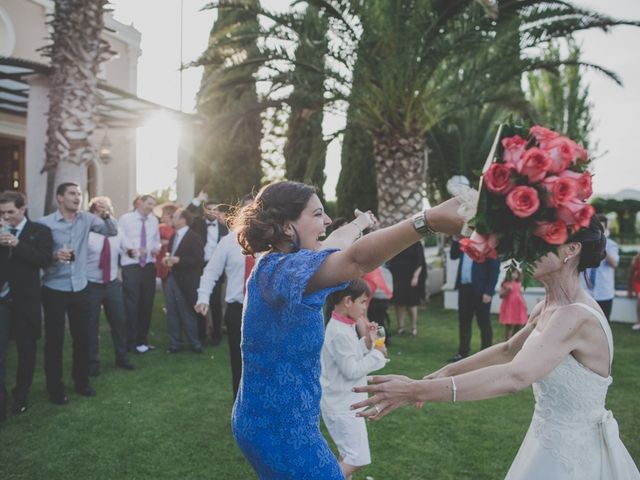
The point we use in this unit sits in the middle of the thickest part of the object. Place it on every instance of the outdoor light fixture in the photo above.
(105, 150)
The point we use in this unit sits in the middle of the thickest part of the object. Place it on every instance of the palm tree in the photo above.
(424, 61)
(76, 52)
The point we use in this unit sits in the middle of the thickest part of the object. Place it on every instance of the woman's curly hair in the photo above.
(260, 225)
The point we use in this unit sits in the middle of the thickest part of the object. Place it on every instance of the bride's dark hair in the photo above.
(593, 241)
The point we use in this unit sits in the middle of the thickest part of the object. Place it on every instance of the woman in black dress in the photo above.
(409, 271)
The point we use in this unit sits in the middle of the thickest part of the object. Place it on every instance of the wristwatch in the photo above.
(421, 225)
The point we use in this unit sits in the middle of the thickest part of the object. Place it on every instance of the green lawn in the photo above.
(169, 419)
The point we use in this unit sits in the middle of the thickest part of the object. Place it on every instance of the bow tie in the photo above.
(211, 224)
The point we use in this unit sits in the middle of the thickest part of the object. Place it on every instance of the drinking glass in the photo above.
(381, 335)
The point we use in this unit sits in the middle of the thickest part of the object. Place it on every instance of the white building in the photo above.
(24, 105)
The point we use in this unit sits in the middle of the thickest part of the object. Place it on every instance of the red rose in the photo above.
(513, 149)
(534, 164)
(583, 183)
(554, 233)
(562, 151)
(576, 212)
(498, 178)
(561, 190)
(523, 201)
(542, 134)
(480, 247)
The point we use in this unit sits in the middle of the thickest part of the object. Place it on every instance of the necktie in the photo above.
(142, 258)
(13, 231)
(105, 261)
(592, 277)
(249, 262)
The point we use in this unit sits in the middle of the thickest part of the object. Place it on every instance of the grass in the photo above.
(170, 419)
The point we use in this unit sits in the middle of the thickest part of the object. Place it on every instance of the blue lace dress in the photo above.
(276, 417)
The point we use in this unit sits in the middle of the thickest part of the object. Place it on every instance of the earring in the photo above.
(566, 259)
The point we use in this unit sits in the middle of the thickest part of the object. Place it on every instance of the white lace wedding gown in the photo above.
(571, 435)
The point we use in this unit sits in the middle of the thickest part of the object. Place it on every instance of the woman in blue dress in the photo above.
(276, 414)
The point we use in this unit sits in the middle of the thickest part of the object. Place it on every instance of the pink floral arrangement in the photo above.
(532, 197)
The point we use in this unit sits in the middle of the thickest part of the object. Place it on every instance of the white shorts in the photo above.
(349, 433)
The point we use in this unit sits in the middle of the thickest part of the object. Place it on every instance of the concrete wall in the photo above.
(624, 308)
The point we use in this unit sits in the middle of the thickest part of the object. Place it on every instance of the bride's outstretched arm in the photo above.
(542, 354)
(495, 355)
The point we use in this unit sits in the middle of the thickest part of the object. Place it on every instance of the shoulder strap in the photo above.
(605, 326)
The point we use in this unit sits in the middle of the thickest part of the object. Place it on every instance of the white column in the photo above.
(36, 137)
(185, 181)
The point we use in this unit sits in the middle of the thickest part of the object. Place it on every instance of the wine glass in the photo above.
(381, 335)
(67, 247)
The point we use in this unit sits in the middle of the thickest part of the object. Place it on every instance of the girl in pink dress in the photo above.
(513, 310)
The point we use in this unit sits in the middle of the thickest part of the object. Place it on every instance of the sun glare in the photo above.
(157, 152)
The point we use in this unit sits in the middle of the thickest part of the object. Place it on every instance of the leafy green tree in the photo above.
(559, 98)
(228, 159)
(305, 149)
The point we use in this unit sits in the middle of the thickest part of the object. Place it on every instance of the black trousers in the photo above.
(26, 335)
(215, 307)
(470, 304)
(233, 320)
(139, 289)
(606, 306)
(108, 296)
(74, 306)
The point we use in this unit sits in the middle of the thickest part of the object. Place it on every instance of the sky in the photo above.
(615, 109)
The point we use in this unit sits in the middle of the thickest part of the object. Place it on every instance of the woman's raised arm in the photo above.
(374, 249)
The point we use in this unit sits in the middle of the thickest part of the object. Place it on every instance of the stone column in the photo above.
(185, 180)
(36, 138)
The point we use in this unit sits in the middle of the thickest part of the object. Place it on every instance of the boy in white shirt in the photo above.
(346, 361)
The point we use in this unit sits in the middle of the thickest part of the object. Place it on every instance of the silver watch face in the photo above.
(419, 223)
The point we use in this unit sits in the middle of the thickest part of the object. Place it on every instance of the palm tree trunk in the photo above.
(400, 173)
(76, 52)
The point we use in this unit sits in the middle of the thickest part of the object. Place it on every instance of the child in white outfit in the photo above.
(346, 361)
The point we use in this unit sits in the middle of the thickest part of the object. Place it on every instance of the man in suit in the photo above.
(210, 226)
(25, 248)
(185, 264)
(476, 284)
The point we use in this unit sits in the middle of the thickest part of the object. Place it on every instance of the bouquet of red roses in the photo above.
(532, 196)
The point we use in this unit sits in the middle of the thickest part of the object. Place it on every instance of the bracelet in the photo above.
(453, 390)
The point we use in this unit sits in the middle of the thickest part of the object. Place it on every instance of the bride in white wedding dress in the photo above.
(565, 352)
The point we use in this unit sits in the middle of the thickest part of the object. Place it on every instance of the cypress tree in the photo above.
(305, 148)
(228, 155)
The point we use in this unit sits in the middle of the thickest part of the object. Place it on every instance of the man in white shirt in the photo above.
(228, 260)
(105, 290)
(601, 282)
(209, 224)
(141, 240)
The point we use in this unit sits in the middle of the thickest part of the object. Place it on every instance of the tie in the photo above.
(13, 231)
(142, 259)
(249, 262)
(211, 224)
(105, 261)
(592, 277)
